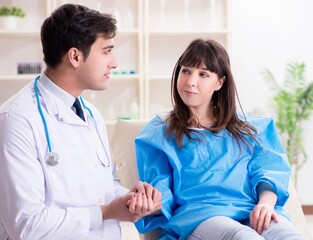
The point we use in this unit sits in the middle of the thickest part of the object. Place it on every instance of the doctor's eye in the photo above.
(107, 51)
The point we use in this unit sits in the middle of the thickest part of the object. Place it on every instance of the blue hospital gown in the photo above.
(211, 177)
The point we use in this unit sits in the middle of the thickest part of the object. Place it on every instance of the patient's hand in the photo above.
(145, 199)
(263, 212)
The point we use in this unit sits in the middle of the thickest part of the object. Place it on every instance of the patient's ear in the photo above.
(220, 82)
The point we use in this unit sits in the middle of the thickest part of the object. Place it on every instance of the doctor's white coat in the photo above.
(38, 201)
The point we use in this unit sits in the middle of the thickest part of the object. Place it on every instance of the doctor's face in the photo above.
(94, 72)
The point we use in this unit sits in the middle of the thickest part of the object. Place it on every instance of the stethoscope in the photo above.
(52, 158)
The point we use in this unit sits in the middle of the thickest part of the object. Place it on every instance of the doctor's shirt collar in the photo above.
(67, 98)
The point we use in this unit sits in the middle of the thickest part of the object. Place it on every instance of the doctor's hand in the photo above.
(119, 208)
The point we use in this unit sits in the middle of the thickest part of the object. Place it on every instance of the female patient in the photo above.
(222, 174)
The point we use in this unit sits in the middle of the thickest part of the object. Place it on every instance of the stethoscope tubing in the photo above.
(45, 125)
(53, 162)
(87, 108)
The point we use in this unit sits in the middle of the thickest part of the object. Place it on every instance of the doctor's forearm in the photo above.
(118, 209)
(113, 210)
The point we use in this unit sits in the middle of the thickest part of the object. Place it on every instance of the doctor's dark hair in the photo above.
(73, 25)
(214, 57)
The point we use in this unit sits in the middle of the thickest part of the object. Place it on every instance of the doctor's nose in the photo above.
(113, 62)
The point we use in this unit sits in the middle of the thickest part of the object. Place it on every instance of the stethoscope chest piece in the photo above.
(52, 158)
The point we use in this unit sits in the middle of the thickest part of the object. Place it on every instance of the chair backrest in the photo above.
(124, 156)
(123, 152)
(293, 206)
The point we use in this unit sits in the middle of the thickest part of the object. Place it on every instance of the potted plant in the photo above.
(10, 16)
(293, 105)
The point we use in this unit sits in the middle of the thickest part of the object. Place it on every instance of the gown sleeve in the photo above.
(269, 163)
(154, 168)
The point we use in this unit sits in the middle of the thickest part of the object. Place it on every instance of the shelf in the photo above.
(124, 76)
(161, 78)
(187, 32)
(20, 33)
(36, 32)
(142, 45)
(125, 32)
(24, 77)
(169, 27)
(110, 122)
(29, 77)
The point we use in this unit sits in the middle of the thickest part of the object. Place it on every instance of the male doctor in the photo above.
(57, 180)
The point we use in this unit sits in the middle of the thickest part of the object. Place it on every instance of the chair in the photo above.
(123, 152)
(124, 156)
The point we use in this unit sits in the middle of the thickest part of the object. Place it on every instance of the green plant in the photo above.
(293, 105)
(13, 11)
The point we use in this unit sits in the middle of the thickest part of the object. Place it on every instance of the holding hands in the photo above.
(145, 199)
(142, 200)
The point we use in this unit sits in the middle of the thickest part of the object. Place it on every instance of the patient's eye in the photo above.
(185, 70)
(204, 74)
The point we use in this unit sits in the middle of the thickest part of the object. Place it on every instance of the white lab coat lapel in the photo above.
(100, 142)
(55, 106)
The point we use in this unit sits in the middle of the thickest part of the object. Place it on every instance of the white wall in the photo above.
(271, 33)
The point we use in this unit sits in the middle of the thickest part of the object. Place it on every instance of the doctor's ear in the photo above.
(74, 56)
